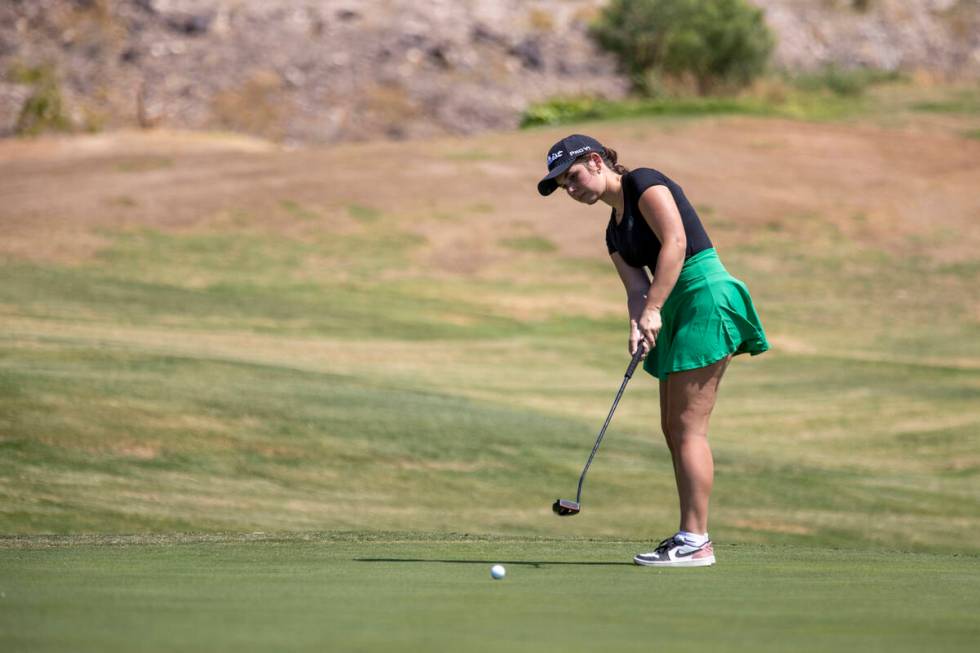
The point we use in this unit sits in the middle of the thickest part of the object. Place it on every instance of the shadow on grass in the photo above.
(530, 563)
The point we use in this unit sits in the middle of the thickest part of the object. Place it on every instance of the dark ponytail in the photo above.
(610, 159)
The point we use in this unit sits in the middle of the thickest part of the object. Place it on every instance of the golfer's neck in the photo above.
(613, 195)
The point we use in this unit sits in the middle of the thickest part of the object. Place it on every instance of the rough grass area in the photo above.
(434, 593)
(202, 334)
(241, 346)
(121, 436)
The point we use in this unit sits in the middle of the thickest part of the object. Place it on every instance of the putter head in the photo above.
(564, 507)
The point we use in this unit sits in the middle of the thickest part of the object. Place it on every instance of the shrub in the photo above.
(844, 82)
(559, 111)
(718, 43)
(562, 111)
(44, 109)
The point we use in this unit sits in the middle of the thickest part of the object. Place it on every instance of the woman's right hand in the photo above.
(636, 339)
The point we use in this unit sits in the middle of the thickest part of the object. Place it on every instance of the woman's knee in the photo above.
(678, 431)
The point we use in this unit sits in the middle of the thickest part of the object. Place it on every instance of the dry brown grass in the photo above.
(886, 187)
(540, 20)
(257, 106)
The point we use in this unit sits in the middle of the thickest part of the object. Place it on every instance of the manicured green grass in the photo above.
(378, 591)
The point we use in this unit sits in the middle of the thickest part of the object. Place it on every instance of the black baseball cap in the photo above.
(563, 154)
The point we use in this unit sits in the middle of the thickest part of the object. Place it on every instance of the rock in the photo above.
(480, 33)
(439, 54)
(12, 99)
(529, 53)
(190, 24)
(130, 55)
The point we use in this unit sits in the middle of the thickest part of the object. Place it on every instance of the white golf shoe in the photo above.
(674, 552)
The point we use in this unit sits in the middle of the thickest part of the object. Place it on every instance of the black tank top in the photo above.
(632, 236)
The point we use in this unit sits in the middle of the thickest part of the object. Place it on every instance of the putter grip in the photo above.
(636, 360)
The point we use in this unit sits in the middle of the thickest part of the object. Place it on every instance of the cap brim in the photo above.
(548, 185)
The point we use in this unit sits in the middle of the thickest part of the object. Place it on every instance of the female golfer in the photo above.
(691, 318)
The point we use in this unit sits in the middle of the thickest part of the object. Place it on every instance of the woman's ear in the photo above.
(596, 160)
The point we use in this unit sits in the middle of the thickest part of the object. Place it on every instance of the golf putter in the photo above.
(564, 507)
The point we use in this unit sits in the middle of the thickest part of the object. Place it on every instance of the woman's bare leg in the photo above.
(689, 399)
(663, 416)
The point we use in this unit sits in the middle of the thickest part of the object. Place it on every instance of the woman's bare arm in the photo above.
(637, 284)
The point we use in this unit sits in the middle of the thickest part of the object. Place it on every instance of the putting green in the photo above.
(434, 593)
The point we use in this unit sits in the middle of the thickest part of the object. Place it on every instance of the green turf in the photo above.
(376, 592)
(235, 391)
(308, 377)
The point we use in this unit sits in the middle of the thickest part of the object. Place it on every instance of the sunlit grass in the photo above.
(416, 591)
(316, 364)
(197, 425)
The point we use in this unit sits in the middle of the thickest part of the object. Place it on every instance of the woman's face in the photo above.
(582, 182)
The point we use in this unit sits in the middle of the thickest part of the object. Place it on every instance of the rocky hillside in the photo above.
(329, 70)
(937, 36)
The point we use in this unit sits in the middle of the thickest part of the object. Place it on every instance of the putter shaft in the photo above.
(629, 374)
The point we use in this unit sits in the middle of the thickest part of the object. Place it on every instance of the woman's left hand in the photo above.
(649, 326)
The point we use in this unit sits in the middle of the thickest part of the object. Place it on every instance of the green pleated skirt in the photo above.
(708, 315)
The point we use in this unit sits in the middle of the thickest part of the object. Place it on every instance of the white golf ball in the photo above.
(497, 572)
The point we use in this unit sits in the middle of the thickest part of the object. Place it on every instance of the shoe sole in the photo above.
(700, 562)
